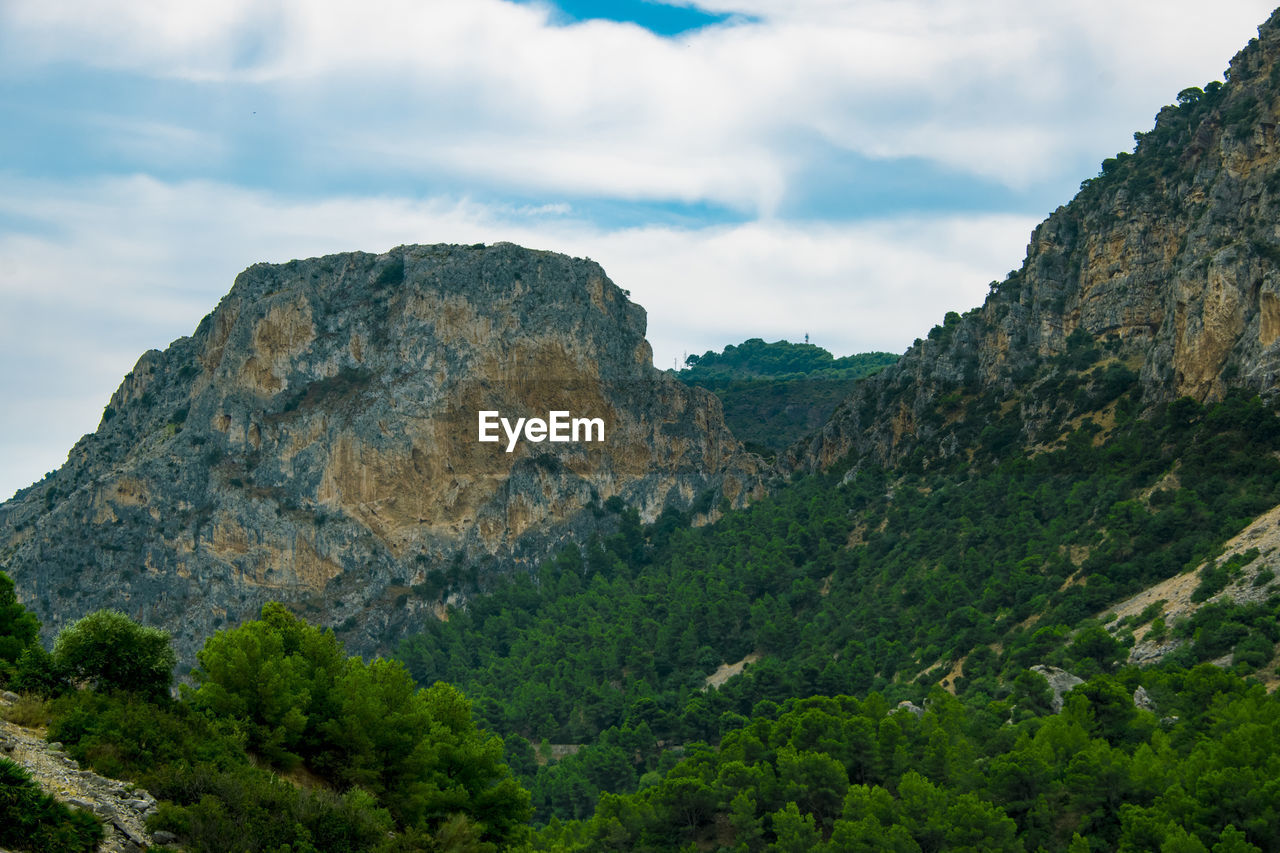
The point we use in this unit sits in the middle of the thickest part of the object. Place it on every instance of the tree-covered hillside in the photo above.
(841, 774)
(775, 393)
(755, 359)
(285, 744)
(962, 571)
(909, 644)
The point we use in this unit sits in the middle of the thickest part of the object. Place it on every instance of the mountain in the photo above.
(1167, 265)
(774, 393)
(315, 441)
(1019, 593)
(1079, 477)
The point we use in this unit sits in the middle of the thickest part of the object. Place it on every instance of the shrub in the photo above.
(37, 672)
(29, 711)
(18, 628)
(32, 820)
(110, 651)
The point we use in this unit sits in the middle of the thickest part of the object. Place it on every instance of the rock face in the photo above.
(1170, 260)
(315, 441)
(1060, 681)
(1249, 563)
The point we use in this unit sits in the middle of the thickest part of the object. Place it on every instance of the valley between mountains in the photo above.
(1014, 589)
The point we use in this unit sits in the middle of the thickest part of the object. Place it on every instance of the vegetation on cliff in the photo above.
(960, 526)
(965, 573)
(774, 393)
(755, 359)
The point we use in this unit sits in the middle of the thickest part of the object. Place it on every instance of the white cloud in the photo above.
(490, 91)
(108, 270)
(490, 95)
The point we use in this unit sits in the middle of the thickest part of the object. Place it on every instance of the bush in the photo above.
(1252, 652)
(110, 651)
(18, 628)
(290, 688)
(32, 820)
(216, 812)
(37, 672)
(127, 736)
(29, 711)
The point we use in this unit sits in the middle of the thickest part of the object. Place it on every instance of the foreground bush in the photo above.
(110, 651)
(32, 820)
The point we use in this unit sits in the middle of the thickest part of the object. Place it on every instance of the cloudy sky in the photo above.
(850, 169)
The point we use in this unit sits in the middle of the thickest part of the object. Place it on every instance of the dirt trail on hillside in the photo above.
(122, 807)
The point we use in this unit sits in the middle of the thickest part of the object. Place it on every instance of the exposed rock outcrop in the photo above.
(1246, 573)
(315, 441)
(1169, 262)
(1060, 681)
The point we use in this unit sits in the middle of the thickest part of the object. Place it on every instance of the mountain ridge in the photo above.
(316, 441)
(1169, 258)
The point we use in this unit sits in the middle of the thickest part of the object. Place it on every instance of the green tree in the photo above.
(274, 675)
(18, 628)
(110, 651)
(463, 770)
(795, 832)
(362, 726)
(1096, 650)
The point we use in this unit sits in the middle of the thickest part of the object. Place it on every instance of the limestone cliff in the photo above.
(315, 441)
(1167, 265)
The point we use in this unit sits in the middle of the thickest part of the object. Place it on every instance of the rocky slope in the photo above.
(1167, 263)
(1249, 562)
(315, 441)
(122, 808)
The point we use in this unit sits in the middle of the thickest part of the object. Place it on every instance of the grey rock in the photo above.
(1142, 701)
(315, 441)
(163, 837)
(911, 707)
(125, 828)
(1180, 278)
(9, 697)
(1060, 681)
(106, 811)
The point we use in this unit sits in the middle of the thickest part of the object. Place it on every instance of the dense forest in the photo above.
(846, 664)
(891, 620)
(774, 393)
(970, 566)
(284, 743)
(915, 656)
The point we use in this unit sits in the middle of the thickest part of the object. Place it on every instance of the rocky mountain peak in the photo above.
(316, 441)
(1162, 276)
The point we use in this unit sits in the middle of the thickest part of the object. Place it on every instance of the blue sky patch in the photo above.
(658, 18)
